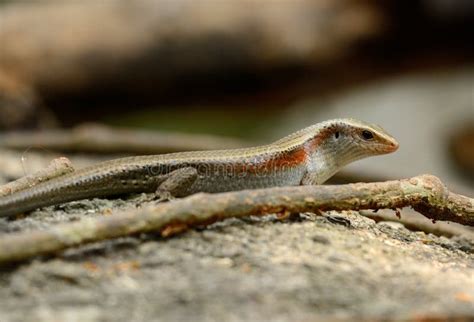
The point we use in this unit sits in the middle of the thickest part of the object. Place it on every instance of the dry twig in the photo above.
(425, 193)
(56, 168)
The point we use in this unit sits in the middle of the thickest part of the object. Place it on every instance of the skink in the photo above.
(309, 156)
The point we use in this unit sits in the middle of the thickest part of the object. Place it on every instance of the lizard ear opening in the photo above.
(336, 135)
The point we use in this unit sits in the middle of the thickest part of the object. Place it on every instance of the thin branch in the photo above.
(415, 222)
(98, 138)
(425, 193)
(56, 168)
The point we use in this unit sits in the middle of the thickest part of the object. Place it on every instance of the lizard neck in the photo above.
(313, 149)
(324, 157)
(326, 160)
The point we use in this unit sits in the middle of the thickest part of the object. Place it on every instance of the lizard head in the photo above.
(338, 142)
(346, 137)
(365, 138)
(332, 144)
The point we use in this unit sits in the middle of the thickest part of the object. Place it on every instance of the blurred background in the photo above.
(248, 70)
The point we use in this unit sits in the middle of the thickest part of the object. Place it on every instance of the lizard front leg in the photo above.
(311, 178)
(176, 183)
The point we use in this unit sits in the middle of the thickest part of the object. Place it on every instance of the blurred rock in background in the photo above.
(119, 52)
(123, 52)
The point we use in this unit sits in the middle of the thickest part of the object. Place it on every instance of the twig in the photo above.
(104, 139)
(425, 193)
(56, 168)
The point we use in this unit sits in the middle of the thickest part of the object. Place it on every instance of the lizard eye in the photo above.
(367, 135)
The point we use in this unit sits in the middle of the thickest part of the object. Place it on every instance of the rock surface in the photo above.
(335, 266)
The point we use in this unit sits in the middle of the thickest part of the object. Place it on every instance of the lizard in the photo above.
(307, 157)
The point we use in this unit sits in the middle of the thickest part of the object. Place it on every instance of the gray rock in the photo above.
(253, 269)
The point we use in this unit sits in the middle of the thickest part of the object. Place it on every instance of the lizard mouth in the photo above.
(394, 146)
(389, 147)
(385, 147)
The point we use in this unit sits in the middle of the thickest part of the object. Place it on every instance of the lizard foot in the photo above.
(163, 196)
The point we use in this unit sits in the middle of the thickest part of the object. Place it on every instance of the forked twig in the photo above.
(57, 167)
(424, 193)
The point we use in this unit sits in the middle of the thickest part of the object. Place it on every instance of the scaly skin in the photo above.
(309, 156)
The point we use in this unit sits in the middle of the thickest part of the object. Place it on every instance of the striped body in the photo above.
(309, 156)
